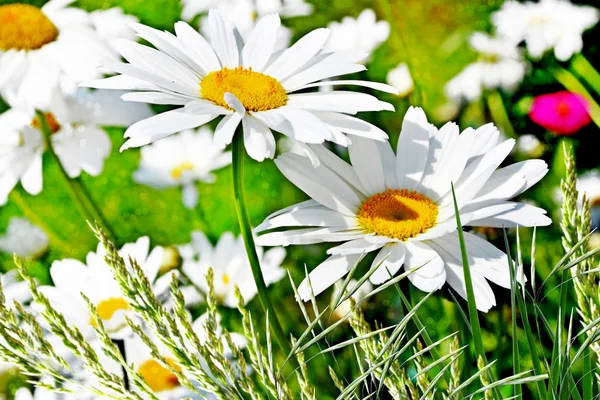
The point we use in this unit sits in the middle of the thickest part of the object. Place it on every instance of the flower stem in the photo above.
(582, 67)
(79, 194)
(499, 114)
(571, 83)
(120, 343)
(246, 229)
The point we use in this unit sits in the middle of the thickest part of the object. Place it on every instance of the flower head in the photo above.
(563, 113)
(95, 280)
(545, 25)
(41, 48)
(24, 239)
(230, 264)
(363, 33)
(401, 206)
(244, 83)
(175, 161)
(401, 79)
(500, 66)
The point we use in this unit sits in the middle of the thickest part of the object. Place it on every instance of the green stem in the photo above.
(499, 114)
(571, 83)
(582, 67)
(246, 229)
(78, 193)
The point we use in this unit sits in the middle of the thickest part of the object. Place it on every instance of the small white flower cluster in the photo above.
(545, 25)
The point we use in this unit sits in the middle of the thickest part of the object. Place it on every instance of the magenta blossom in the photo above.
(563, 113)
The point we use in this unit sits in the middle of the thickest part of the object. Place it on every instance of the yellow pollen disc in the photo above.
(108, 308)
(226, 279)
(50, 120)
(178, 171)
(24, 27)
(158, 377)
(256, 91)
(399, 214)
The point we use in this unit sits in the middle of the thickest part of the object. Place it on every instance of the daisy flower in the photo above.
(363, 33)
(500, 66)
(174, 161)
(230, 264)
(41, 48)
(161, 380)
(546, 25)
(242, 83)
(400, 78)
(95, 280)
(24, 239)
(401, 206)
(79, 142)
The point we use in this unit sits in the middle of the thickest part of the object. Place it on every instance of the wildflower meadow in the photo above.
(299, 199)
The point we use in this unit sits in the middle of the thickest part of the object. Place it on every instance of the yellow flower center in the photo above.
(158, 377)
(50, 120)
(256, 91)
(24, 27)
(178, 171)
(226, 279)
(399, 214)
(107, 308)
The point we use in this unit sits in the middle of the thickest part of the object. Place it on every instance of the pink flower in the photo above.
(563, 113)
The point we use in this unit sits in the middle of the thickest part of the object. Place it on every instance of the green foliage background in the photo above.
(431, 37)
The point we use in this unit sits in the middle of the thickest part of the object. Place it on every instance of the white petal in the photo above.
(373, 85)
(337, 64)
(338, 166)
(521, 215)
(205, 107)
(222, 39)
(352, 125)
(258, 139)
(320, 183)
(431, 274)
(190, 195)
(226, 129)
(413, 146)
(32, 178)
(326, 274)
(368, 164)
(309, 216)
(299, 54)
(197, 47)
(260, 44)
(162, 125)
(308, 236)
(391, 257)
(339, 101)
(356, 246)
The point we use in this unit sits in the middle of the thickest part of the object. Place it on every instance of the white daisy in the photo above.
(43, 47)
(161, 380)
(500, 66)
(529, 145)
(77, 138)
(24, 239)
(545, 25)
(72, 277)
(400, 78)
(363, 33)
(174, 161)
(243, 83)
(230, 264)
(401, 206)
(343, 309)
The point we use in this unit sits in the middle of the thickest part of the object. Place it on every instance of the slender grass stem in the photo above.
(586, 71)
(499, 113)
(77, 191)
(121, 346)
(570, 82)
(246, 230)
